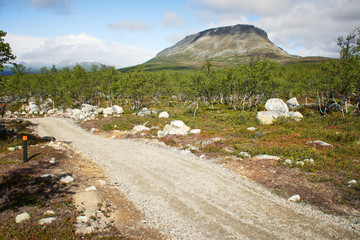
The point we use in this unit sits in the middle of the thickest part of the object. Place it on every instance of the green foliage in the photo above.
(5, 52)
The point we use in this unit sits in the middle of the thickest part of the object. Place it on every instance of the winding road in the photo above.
(186, 197)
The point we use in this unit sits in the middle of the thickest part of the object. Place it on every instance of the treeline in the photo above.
(247, 86)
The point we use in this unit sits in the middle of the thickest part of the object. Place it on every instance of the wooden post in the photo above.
(25, 158)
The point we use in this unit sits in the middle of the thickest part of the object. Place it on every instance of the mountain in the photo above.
(34, 67)
(223, 46)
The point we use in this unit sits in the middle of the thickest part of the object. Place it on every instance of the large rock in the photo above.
(32, 108)
(293, 103)
(164, 114)
(139, 128)
(108, 111)
(144, 112)
(177, 127)
(268, 117)
(87, 108)
(117, 109)
(277, 105)
(22, 217)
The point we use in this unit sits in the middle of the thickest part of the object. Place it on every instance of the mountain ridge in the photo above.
(229, 45)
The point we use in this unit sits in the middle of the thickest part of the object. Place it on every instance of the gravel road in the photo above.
(186, 197)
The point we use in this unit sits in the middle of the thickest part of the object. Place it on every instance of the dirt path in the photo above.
(188, 198)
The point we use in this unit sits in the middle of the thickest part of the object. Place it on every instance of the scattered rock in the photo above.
(287, 162)
(294, 198)
(22, 217)
(82, 219)
(300, 163)
(177, 127)
(251, 128)
(309, 161)
(244, 154)
(11, 149)
(161, 134)
(351, 182)
(276, 105)
(99, 110)
(108, 111)
(268, 157)
(92, 188)
(67, 179)
(53, 160)
(144, 112)
(319, 143)
(164, 114)
(46, 220)
(195, 131)
(140, 128)
(293, 103)
(47, 175)
(49, 212)
(117, 109)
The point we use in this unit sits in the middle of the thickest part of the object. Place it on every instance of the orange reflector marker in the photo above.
(24, 138)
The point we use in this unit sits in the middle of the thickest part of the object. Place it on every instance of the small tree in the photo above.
(5, 52)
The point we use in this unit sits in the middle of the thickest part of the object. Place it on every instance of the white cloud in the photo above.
(77, 48)
(173, 20)
(302, 27)
(131, 26)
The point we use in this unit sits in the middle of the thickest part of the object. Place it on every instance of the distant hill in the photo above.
(36, 66)
(222, 46)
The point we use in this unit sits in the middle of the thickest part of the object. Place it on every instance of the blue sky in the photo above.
(125, 33)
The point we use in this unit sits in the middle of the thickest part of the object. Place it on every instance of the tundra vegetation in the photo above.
(223, 103)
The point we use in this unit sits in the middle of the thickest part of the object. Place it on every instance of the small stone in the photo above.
(351, 182)
(92, 188)
(47, 175)
(294, 198)
(11, 149)
(67, 179)
(195, 131)
(49, 212)
(269, 157)
(53, 160)
(203, 156)
(162, 133)
(82, 219)
(22, 217)
(287, 162)
(244, 154)
(46, 220)
(251, 129)
(300, 163)
(309, 160)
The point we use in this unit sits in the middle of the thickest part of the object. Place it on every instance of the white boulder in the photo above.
(277, 105)
(177, 127)
(22, 217)
(294, 198)
(162, 133)
(117, 109)
(108, 111)
(267, 117)
(140, 128)
(293, 103)
(144, 112)
(67, 179)
(164, 114)
(46, 220)
(267, 157)
(195, 131)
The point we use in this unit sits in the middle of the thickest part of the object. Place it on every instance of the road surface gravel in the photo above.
(186, 197)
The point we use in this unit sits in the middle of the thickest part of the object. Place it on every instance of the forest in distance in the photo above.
(247, 86)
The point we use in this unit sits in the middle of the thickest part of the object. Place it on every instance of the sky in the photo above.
(125, 33)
